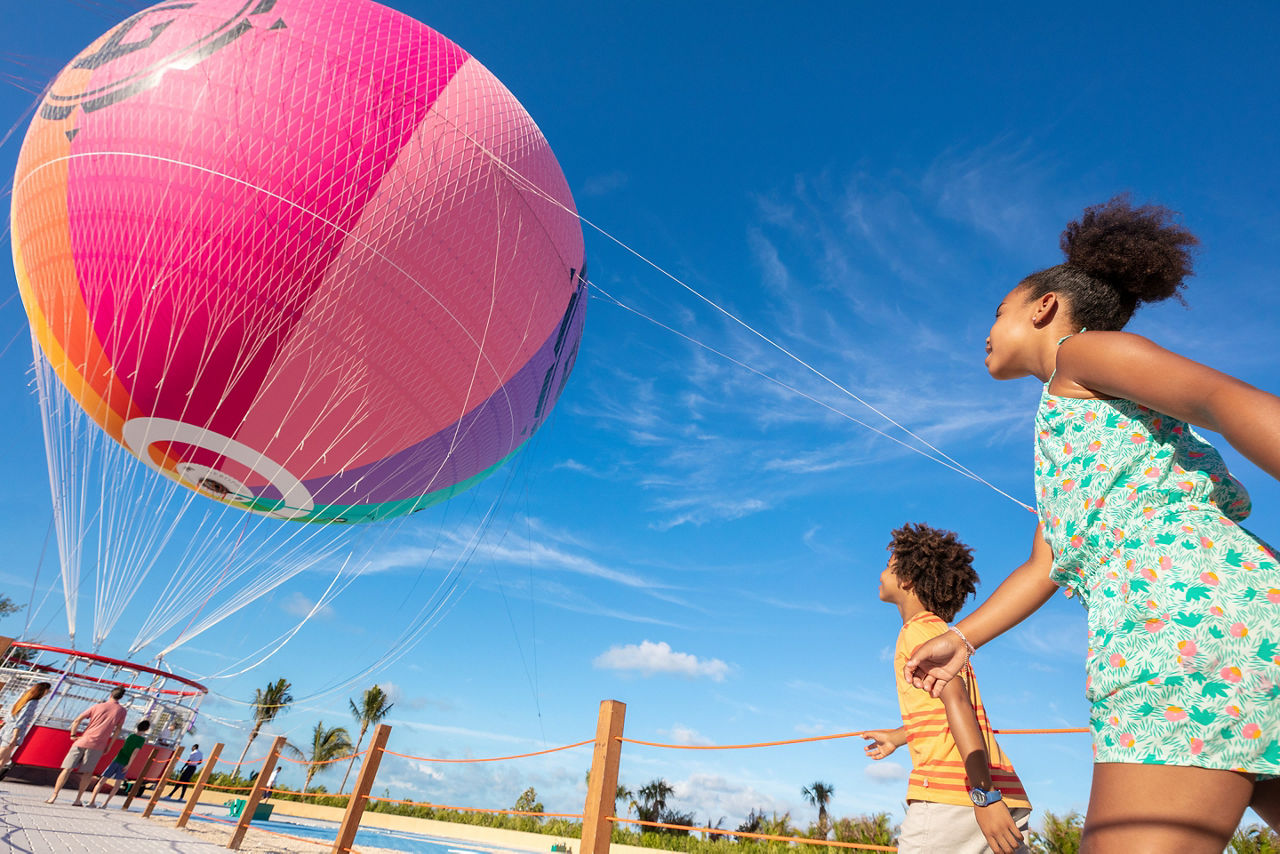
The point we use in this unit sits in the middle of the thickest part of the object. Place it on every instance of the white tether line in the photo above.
(532, 187)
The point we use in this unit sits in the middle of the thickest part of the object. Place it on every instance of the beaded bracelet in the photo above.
(967, 645)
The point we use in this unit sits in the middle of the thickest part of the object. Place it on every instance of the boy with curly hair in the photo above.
(963, 794)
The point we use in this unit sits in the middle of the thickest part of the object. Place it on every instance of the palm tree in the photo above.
(327, 744)
(623, 794)
(372, 709)
(1061, 835)
(653, 799)
(755, 820)
(819, 795)
(266, 705)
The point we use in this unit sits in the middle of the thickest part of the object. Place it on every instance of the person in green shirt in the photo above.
(116, 770)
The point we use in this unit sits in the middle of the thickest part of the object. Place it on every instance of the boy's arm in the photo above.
(883, 741)
(994, 819)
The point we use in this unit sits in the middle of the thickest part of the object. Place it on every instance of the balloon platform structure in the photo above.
(80, 679)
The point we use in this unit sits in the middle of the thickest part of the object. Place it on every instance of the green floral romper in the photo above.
(1184, 604)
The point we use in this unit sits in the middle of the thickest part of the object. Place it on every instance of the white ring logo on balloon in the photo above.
(140, 433)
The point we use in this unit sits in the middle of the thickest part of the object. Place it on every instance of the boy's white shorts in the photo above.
(931, 827)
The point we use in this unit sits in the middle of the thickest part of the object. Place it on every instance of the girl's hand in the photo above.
(936, 662)
(882, 745)
(998, 827)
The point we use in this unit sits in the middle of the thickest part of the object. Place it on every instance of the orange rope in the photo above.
(493, 758)
(738, 746)
(325, 762)
(1038, 731)
(238, 764)
(858, 845)
(475, 809)
(308, 794)
(817, 738)
(229, 788)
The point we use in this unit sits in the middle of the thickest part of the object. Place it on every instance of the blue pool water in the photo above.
(396, 840)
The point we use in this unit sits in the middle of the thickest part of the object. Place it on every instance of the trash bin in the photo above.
(235, 807)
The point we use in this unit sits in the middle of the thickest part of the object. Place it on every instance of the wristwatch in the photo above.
(984, 798)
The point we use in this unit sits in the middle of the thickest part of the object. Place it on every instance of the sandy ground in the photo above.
(259, 841)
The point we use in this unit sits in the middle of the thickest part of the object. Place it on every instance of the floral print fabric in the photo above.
(1184, 604)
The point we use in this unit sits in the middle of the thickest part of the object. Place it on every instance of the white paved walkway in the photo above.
(30, 826)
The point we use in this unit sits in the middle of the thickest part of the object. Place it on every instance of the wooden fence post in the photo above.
(602, 784)
(199, 786)
(141, 782)
(360, 793)
(255, 795)
(164, 775)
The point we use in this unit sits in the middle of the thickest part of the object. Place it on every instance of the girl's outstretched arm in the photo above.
(936, 661)
(1120, 364)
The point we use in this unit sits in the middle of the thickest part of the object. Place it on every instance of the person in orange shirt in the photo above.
(963, 794)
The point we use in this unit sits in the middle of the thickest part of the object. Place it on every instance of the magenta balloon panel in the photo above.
(306, 256)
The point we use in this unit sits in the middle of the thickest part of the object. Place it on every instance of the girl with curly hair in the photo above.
(1140, 520)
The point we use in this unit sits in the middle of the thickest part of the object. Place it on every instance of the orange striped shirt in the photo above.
(938, 774)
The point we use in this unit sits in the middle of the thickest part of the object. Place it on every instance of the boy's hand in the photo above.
(883, 743)
(999, 828)
(935, 662)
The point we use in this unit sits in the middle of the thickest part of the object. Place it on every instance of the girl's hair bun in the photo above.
(1141, 251)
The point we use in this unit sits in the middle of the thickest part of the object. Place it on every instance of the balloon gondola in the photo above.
(79, 679)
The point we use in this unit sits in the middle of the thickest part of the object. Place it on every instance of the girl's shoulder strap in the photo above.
(1055, 366)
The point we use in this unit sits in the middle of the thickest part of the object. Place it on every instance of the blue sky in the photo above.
(861, 184)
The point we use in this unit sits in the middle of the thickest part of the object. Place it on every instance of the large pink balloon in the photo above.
(308, 256)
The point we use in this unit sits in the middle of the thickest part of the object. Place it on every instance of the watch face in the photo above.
(982, 798)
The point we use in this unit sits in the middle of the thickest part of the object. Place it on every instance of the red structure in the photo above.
(81, 679)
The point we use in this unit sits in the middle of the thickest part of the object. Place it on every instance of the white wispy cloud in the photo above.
(405, 702)
(465, 732)
(681, 734)
(298, 604)
(774, 271)
(581, 468)
(810, 607)
(997, 189)
(603, 185)
(699, 510)
(648, 659)
(716, 796)
(863, 283)
(886, 771)
(1053, 636)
